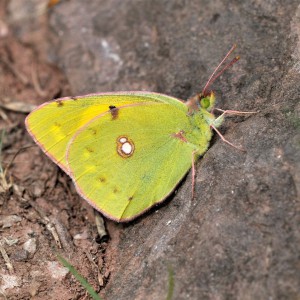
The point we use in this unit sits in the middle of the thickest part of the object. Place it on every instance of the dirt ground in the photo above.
(240, 238)
(38, 202)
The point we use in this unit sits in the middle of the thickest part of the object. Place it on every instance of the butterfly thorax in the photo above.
(201, 118)
(201, 132)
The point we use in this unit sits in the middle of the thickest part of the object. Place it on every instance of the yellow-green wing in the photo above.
(53, 124)
(122, 181)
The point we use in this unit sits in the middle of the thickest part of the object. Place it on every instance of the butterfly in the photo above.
(127, 151)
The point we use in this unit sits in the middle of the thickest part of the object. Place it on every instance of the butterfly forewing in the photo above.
(53, 124)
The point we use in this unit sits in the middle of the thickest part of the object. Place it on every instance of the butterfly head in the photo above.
(207, 102)
(201, 102)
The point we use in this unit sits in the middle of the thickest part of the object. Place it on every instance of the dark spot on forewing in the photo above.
(59, 103)
(114, 111)
(130, 198)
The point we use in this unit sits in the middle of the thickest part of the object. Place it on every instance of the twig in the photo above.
(36, 83)
(5, 257)
(22, 77)
(45, 220)
(90, 258)
(3, 115)
(54, 233)
(18, 106)
(14, 157)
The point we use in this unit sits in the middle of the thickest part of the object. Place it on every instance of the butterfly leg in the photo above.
(193, 174)
(224, 140)
(219, 120)
(234, 112)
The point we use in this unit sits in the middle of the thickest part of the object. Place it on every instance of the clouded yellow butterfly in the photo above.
(126, 151)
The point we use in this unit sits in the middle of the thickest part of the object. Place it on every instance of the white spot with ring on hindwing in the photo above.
(125, 146)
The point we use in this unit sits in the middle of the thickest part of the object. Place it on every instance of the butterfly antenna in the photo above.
(214, 76)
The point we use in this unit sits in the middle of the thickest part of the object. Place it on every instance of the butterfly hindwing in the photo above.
(125, 161)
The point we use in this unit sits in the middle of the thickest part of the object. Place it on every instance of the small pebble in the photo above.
(9, 221)
(30, 246)
(56, 270)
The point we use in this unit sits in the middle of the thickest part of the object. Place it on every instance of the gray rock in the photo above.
(239, 239)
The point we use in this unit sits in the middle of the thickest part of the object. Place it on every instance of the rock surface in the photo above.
(239, 238)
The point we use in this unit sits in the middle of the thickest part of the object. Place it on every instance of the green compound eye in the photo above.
(208, 102)
(205, 102)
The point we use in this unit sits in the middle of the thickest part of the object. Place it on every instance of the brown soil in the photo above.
(35, 195)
